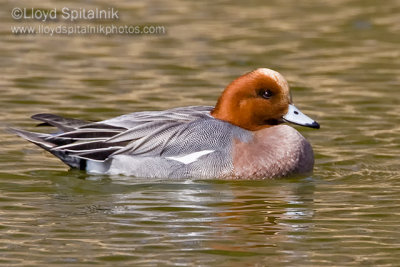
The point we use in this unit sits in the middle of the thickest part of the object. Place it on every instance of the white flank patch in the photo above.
(189, 158)
(95, 167)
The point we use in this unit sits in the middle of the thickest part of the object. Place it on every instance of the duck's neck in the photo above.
(228, 109)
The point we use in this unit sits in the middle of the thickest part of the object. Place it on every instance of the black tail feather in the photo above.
(98, 154)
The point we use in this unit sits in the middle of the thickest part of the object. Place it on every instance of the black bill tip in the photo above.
(314, 125)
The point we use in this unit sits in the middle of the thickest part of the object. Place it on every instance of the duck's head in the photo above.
(257, 100)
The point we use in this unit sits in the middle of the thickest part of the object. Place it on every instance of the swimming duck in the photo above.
(242, 137)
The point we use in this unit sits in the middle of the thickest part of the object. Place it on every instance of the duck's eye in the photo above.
(267, 94)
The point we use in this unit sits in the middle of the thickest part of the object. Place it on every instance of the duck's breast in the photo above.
(276, 151)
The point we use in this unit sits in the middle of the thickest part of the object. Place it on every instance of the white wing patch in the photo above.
(192, 157)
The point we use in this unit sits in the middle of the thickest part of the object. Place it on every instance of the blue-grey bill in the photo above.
(295, 116)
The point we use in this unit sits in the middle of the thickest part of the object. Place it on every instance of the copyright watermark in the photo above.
(69, 19)
(65, 13)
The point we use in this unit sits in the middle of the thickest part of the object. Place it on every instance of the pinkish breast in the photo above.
(273, 152)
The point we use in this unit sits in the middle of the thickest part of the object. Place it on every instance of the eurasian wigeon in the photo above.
(242, 137)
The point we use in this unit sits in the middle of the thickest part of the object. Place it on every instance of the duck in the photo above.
(245, 136)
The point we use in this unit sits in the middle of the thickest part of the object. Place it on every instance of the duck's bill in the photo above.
(295, 116)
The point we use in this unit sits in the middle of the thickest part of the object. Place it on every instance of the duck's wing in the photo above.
(145, 133)
(136, 134)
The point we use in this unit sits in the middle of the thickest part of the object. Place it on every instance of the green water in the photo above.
(342, 62)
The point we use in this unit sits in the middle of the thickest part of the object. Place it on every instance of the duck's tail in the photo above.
(49, 141)
(41, 140)
(76, 141)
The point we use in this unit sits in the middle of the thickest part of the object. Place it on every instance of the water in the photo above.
(342, 62)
